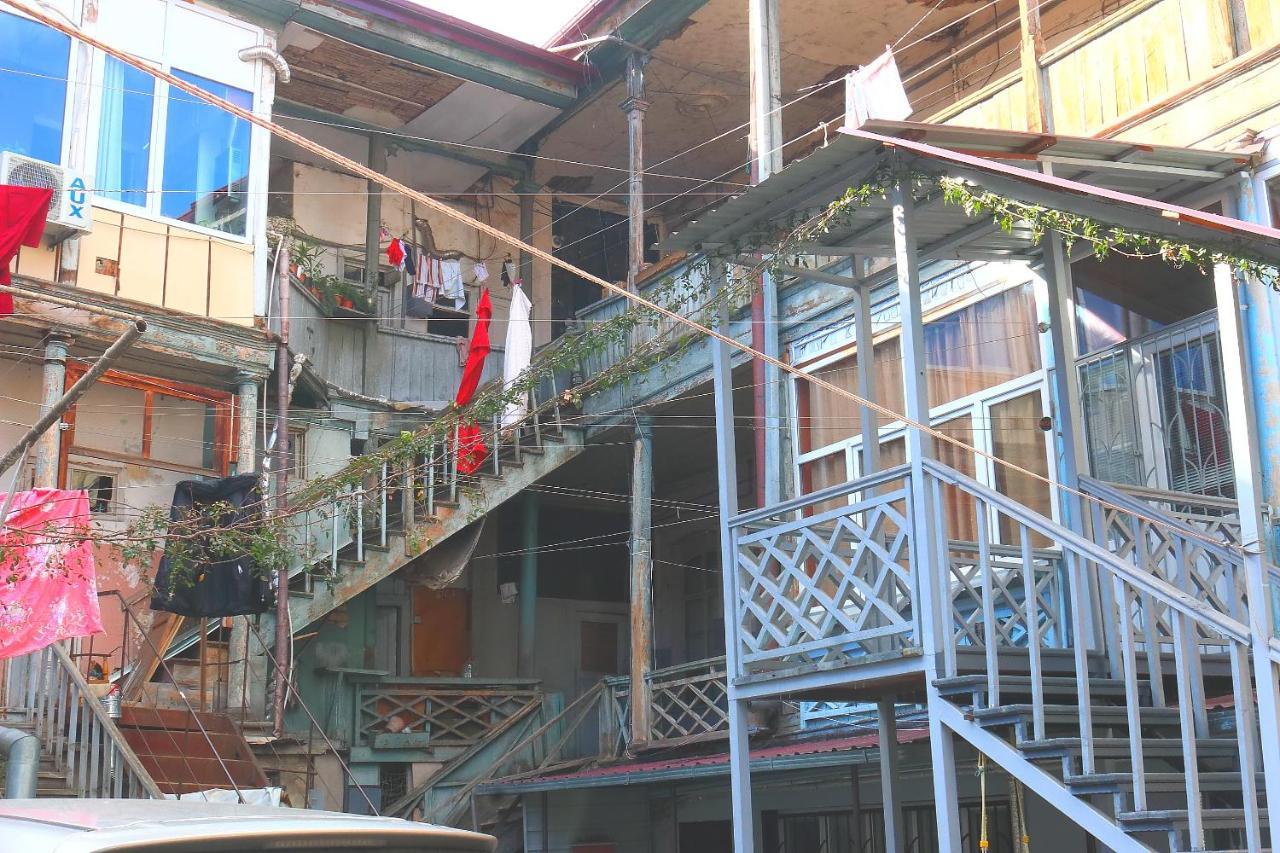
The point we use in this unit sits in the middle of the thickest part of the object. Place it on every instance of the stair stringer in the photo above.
(1045, 786)
(379, 564)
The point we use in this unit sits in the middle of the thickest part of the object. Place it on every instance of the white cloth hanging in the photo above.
(480, 272)
(451, 283)
(875, 91)
(517, 352)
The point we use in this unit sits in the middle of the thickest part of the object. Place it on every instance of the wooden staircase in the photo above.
(185, 752)
(1159, 818)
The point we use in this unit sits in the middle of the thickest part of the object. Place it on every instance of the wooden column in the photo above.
(373, 216)
(634, 106)
(247, 423)
(641, 577)
(1031, 50)
(526, 663)
(932, 606)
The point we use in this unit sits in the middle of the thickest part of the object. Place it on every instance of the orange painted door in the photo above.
(441, 631)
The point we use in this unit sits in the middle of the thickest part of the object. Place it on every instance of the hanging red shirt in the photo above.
(471, 447)
(23, 211)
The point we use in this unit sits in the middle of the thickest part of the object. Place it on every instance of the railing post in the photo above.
(1244, 450)
(919, 446)
(727, 473)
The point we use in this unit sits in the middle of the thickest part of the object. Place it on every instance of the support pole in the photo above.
(56, 402)
(894, 832)
(1241, 419)
(373, 216)
(526, 189)
(863, 334)
(641, 578)
(727, 472)
(246, 426)
(528, 584)
(926, 588)
(1068, 414)
(48, 442)
(1031, 50)
(635, 106)
(765, 141)
(282, 494)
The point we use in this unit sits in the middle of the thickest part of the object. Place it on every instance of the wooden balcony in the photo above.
(1158, 71)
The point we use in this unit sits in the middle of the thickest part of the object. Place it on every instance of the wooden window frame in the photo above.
(225, 418)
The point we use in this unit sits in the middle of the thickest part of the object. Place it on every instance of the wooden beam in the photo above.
(1032, 52)
(641, 578)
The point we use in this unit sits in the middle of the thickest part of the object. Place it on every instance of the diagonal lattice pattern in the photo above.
(448, 717)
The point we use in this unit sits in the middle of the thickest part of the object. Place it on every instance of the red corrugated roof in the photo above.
(788, 750)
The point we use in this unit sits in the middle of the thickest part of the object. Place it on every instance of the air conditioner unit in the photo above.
(70, 211)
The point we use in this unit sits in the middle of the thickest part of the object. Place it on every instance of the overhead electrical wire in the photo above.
(515, 243)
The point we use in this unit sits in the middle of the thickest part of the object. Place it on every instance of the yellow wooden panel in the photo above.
(100, 249)
(1264, 22)
(142, 251)
(231, 283)
(186, 280)
(39, 262)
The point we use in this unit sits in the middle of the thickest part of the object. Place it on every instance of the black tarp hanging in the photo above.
(202, 582)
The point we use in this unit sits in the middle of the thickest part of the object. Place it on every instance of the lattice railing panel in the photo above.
(1173, 550)
(688, 701)
(442, 717)
(836, 585)
(1008, 581)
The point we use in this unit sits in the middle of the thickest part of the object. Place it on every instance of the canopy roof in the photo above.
(1118, 183)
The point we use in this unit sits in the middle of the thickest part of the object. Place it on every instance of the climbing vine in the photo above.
(635, 340)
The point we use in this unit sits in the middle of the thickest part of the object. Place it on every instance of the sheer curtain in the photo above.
(981, 346)
(124, 135)
(108, 181)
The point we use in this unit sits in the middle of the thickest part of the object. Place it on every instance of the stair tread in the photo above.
(959, 683)
(1109, 711)
(1213, 818)
(1052, 745)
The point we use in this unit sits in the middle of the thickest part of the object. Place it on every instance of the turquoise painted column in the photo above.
(528, 583)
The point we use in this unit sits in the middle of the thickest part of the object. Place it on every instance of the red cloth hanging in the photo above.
(23, 211)
(471, 447)
(395, 253)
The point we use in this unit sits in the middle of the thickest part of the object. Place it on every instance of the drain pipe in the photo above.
(22, 753)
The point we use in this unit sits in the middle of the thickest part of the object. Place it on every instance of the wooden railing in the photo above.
(829, 586)
(47, 690)
(436, 712)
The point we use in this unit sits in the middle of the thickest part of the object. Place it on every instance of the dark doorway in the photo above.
(593, 240)
(706, 836)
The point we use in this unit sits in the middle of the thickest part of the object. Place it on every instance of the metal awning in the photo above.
(1120, 183)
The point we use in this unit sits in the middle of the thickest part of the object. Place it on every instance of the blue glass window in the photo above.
(206, 158)
(124, 135)
(33, 87)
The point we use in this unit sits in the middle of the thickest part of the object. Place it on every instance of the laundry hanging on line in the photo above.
(471, 449)
(49, 590)
(517, 352)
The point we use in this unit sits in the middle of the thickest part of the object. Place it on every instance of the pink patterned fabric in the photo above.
(48, 591)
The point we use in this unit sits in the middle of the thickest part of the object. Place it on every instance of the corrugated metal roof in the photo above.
(689, 766)
(1114, 182)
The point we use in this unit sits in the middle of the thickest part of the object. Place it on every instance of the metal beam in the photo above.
(373, 215)
(891, 801)
(525, 664)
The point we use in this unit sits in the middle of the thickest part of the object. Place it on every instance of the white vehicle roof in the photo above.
(168, 826)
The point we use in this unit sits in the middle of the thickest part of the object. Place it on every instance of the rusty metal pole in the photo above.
(282, 496)
(634, 106)
(54, 379)
(641, 578)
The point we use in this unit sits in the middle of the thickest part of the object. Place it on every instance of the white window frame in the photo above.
(258, 150)
(977, 406)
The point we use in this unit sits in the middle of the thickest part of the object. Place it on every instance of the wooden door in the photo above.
(441, 631)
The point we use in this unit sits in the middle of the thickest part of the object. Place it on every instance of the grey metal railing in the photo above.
(46, 691)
